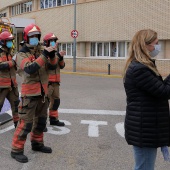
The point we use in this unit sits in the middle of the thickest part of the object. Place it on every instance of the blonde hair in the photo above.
(138, 51)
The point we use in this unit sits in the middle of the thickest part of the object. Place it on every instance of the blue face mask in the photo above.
(33, 41)
(9, 44)
(155, 52)
(52, 43)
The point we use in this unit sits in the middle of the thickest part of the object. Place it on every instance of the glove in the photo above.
(45, 53)
(60, 57)
(52, 54)
(49, 54)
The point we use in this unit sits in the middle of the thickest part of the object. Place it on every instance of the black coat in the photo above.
(147, 121)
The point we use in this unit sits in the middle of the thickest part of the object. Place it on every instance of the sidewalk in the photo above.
(93, 74)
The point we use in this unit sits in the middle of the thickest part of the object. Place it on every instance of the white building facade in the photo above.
(105, 27)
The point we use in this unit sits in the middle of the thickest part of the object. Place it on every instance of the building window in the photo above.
(2, 14)
(162, 53)
(58, 2)
(99, 49)
(64, 2)
(50, 3)
(63, 47)
(24, 8)
(106, 49)
(13, 10)
(46, 3)
(69, 50)
(109, 49)
(93, 49)
(21, 8)
(42, 4)
(68, 1)
(68, 47)
(53, 3)
(113, 49)
(16, 10)
(121, 49)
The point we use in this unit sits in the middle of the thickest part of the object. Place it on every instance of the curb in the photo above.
(90, 74)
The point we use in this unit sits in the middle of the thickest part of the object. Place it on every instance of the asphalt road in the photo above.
(93, 109)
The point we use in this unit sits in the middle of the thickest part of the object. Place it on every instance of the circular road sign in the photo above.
(74, 33)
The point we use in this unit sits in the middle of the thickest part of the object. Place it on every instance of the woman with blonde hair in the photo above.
(147, 121)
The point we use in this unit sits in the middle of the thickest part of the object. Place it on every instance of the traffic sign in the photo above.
(74, 33)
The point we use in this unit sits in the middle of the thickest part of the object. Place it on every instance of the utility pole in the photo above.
(74, 44)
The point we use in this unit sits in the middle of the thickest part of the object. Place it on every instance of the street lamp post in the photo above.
(74, 44)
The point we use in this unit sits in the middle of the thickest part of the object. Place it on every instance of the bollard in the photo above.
(108, 69)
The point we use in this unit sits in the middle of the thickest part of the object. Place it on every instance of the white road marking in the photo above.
(93, 125)
(65, 122)
(93, 129)
(6, 129)
(63, 130)
(93, 112)
(86, 111)
(120, 129)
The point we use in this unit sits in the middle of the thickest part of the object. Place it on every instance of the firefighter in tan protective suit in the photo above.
(54, 81)
(34, 64)
(8, 84)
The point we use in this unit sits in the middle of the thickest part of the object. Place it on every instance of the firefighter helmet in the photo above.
(5, 36)
(48, 37)
(30, 30)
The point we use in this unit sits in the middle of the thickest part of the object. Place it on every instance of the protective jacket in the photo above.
(34, 66)
(147, 121)
(54, 75)
(7, 69)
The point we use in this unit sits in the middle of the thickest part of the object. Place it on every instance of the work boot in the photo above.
(54, 121)
(44, 149)
(19, 156)
(45, 130)
(15, 124)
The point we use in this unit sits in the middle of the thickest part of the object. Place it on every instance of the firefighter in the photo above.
(54, 81)
(8, 84)
(34, 63)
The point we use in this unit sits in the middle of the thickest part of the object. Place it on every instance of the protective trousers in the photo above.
(33, 117)
(54, 96)
(12, 96)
